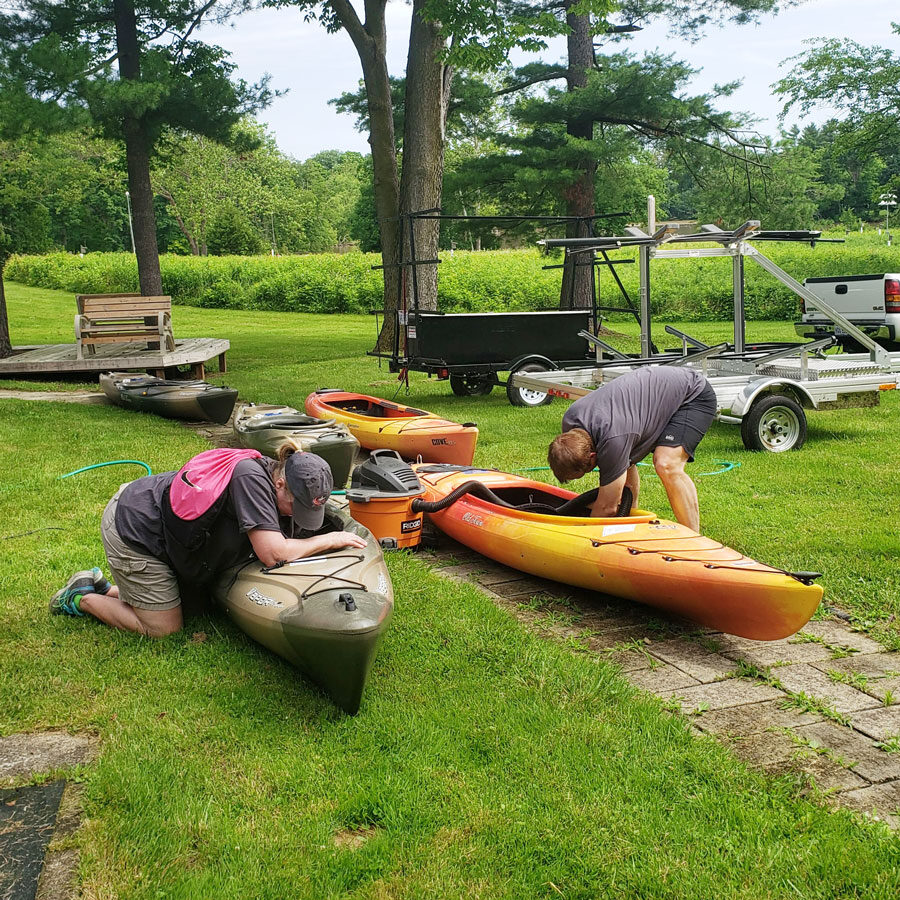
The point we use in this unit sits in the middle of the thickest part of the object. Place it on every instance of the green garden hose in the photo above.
(114, 462)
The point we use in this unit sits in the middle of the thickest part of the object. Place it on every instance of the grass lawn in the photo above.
(485, 762)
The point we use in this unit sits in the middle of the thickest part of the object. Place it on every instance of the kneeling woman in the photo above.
(270, 509)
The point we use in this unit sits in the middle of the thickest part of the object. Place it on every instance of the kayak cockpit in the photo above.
(363, 406)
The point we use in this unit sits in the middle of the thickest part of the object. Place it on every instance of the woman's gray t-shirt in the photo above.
(626, 416)
(250, 503)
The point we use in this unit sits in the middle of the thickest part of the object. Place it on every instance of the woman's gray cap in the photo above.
(310, 482)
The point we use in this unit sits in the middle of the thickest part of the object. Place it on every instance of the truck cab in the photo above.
(871, 302)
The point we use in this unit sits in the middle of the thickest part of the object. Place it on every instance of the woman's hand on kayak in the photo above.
(272, 547)
(339, 539)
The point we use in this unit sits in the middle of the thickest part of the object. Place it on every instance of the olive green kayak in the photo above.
(197, 401)
(325, 614)
(266, 428)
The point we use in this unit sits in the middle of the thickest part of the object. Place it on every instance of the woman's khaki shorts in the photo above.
(143, 581)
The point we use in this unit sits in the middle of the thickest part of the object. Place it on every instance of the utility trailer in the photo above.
(472, 349)
(764, 388)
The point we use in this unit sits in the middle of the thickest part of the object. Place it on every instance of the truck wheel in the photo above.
(775, 423)
(471, 385)
(527, 396)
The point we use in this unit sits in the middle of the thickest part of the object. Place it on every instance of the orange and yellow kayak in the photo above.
(379, 424)
(639, 557)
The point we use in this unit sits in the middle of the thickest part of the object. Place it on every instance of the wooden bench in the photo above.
(123, 319)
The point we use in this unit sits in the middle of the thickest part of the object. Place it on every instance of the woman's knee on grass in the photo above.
(160, 623)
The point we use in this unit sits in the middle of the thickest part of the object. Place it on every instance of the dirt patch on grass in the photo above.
(354, 838)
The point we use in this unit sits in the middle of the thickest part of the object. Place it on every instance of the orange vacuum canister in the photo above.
(381, 493)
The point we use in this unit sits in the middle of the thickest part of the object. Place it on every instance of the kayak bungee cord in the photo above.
(113, 462)
(335, 575)
(666, 556)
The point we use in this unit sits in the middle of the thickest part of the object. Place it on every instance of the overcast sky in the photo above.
(316, 66)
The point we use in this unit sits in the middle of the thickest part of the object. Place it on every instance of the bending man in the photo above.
(663, 409)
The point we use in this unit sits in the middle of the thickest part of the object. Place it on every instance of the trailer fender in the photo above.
(757, 388)
(543, 361)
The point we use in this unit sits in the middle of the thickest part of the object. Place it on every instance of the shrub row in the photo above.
(685, 289)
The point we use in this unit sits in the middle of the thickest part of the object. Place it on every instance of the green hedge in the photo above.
(490, 280)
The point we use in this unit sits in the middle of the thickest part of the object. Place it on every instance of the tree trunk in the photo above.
(427, 98)
(182, 227)
(370, 41)
(5, 343)
(577, 285)
(137, 154)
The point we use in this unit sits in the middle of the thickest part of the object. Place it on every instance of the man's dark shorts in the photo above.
(690, 422)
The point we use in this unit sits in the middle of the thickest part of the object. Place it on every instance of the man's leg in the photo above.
(669, 463)
(633, 481)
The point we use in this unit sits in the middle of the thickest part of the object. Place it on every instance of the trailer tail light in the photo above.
(443, 374)
(892, 296)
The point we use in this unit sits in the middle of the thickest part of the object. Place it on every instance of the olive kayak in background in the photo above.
(267, 428)
(547, 531)
(197, 401)
(413, 433)
(325, 614)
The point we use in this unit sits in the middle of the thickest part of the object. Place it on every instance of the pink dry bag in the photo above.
(203, 479)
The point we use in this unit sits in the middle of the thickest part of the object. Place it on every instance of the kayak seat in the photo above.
(360, 407)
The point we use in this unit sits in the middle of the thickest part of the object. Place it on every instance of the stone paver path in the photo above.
(824, 703)
(22, 758)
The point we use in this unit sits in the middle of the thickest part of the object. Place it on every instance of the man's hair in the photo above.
(570, 454)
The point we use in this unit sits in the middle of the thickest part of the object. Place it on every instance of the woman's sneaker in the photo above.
(66, 601)
(101, 583)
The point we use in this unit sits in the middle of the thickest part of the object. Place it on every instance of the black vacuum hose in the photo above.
(480, 489)
(476, 488)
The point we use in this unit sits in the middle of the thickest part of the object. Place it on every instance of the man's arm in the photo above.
(273, 547)
(608, 497)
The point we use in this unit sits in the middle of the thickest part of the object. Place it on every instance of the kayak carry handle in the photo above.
(805, 577)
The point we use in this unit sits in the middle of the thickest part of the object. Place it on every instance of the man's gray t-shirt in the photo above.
(626, 416)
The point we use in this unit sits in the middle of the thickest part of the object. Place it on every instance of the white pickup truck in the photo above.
(871, 302)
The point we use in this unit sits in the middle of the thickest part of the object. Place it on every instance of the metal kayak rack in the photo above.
(766, 387)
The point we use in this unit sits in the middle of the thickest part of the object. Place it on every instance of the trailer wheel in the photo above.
(775, 423)
(527, 396)
(471, 385)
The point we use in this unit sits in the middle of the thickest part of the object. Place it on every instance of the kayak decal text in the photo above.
(254, 596)
(472, 519)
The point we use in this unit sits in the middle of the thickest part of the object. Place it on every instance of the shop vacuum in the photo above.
(381, 495)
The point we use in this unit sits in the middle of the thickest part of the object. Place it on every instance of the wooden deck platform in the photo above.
(62, 359)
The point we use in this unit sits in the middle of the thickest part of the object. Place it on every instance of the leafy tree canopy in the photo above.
(862, 82)
(58, 67)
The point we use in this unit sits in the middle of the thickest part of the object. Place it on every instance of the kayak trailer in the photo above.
(764, 388)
